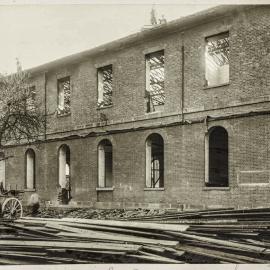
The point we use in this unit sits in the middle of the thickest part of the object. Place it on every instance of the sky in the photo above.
(37, 32)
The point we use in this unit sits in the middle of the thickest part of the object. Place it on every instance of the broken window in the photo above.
(105, 164)
(217, 60)
(31, 96)
(105, 75)
(30, 169)
(155, 97)
(217, 157)
(154, 161)
(64, 174)
(64, 95)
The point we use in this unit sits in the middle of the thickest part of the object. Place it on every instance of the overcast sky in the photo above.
(42, 32)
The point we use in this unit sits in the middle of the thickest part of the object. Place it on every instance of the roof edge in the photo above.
(180, 24)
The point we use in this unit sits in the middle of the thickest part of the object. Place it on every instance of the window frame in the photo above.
(3, 163)
(149, 108)
(26, 187)
(207, 184)
(31, 100)
(148, 163)
(62, 112)
(207, 85)
(103, 143)
(100, 73)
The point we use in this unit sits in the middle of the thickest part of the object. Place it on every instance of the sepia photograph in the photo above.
(135, 134)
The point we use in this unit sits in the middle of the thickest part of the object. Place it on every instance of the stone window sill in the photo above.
(63, 114)
(104, 188)
(104, 107)
(216, 188)
(216, 85)
(154, 189)
(29, 189)
(153, 112)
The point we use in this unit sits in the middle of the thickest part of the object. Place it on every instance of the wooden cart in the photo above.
(11, 206)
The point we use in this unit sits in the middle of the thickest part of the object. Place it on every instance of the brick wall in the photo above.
(184, 145)
(249, 56)
(184, 166)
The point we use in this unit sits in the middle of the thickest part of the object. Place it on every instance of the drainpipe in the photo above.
(45, 104)
(183, 77)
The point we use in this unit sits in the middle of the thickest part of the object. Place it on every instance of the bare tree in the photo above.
(20, 117)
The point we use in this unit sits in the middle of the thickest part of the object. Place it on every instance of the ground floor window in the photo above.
(2, 172)
(154, 161)
(105, 164)
(64, 173)
(216, 162)
(30, 169)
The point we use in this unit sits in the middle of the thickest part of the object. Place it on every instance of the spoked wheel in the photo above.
(12, 208)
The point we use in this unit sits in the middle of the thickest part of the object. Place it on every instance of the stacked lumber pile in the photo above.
(228, 235)
(68, 240)
(216, 236)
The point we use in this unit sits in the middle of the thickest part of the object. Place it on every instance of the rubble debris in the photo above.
(55, 212)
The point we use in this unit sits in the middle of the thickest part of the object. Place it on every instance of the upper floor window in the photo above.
(217, 51)
(63, 95)
(105, 76)
(155, 97)
(31, 97)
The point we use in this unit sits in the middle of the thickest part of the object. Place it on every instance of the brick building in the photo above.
(173, 116)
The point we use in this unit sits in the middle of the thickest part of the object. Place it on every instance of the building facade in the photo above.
(173, 116)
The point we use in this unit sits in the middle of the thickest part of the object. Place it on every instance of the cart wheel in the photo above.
(12, 208)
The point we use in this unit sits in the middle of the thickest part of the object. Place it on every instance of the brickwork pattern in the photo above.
(184, 145)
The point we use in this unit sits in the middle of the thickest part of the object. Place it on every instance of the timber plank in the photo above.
(115, 229)
(80, 245)
(210, 253)
(222, 242)
(231, 257)
(116, 223)
(155, 259)
(32, 231)
(119, 238)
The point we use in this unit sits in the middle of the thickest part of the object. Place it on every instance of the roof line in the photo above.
(180, 24)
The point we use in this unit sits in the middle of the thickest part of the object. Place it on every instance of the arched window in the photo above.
(64, 167)
(105, 164)
(2, 171)
(154, 161)
(30, 181)
(216, 165)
